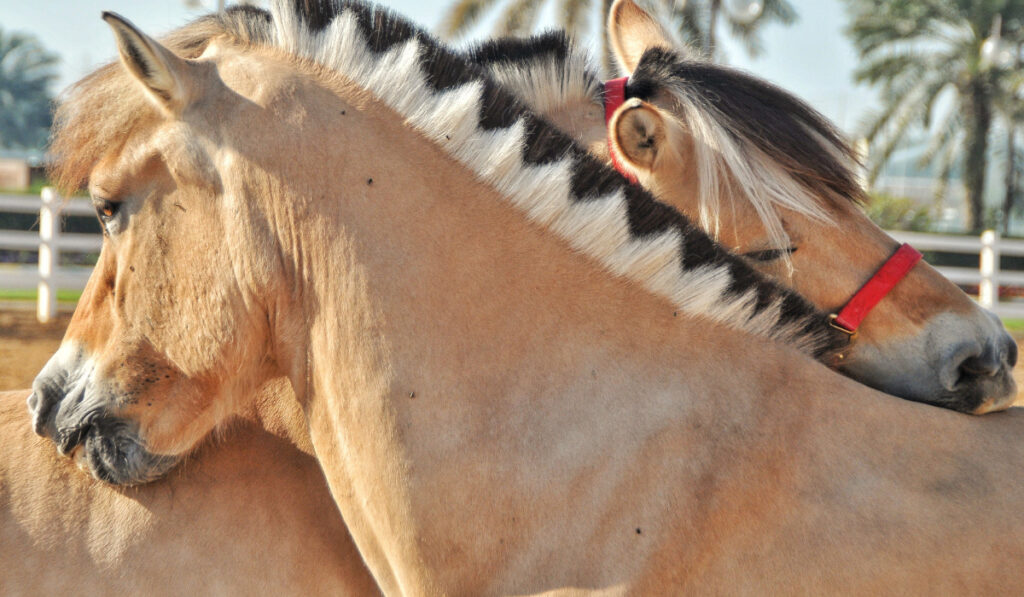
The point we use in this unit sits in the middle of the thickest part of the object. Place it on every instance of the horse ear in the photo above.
(637, 134)
(162, 74)
(632, 31)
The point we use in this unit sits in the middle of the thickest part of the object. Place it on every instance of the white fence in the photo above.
(987, 276)
(50, 241)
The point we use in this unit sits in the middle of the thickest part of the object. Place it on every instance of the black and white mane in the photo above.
(751, 138)
(536, 167)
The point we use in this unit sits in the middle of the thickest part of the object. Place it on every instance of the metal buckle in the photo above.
(852, 334)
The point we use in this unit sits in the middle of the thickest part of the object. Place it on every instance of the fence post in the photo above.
(49, 255)
(988, 289)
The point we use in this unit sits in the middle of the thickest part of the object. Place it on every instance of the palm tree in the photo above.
(919, 51)
(1010, 108)
(696, 20)
(26, 73)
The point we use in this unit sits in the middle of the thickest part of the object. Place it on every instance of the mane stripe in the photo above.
(542, 144)
(740, 282)
(441, 70)
(518, 50)
(590, 179)
(494, 114)
(647, 217)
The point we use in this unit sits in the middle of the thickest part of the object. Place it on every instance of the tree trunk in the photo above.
(607, 60)
(714, 9)
(978, 117)
(1011, 176)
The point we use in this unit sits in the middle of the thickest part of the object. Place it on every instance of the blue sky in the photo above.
(811, 58)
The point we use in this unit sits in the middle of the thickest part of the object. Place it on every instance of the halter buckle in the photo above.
(851, 334)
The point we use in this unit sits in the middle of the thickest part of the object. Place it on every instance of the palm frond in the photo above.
(945, 135)
(947, 163)
(888, 132)
(573, 15)
(518, 18)
(461, 16)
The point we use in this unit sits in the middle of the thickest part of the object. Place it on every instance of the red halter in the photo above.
(875, 289)
(849, 318)
(614, 96)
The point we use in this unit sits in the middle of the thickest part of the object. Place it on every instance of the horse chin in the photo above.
(113, 452)
(1000, 396)
(993, 405)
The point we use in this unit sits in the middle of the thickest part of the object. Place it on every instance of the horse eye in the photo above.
(769, 254)
(106, 209)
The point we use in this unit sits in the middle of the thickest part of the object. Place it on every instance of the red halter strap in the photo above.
(849, 318)
(614, 96)
(875, 289)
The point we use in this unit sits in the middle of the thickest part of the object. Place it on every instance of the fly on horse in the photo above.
(773, 180)
(520, 374)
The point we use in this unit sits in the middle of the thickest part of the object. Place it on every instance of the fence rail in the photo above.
(988, 276)
(50, 241)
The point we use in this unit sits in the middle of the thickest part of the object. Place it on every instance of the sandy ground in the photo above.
(26, 345)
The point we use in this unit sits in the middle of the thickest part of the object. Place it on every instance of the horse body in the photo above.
(494, 412)
(248, 515)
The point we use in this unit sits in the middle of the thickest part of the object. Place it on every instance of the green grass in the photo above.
(34, 189)
(1014, 325)
(63, 296)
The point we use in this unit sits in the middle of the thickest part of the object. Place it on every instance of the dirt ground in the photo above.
(26, 345)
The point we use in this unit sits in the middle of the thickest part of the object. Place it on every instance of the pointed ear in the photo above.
(632, 31)
(638, 134)
(163, 75)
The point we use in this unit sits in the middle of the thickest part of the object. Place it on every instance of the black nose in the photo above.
(981, 361)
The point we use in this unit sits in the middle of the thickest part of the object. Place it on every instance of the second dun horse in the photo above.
(249, 513)
(775, 182)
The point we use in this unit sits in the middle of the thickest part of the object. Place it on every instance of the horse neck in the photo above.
(427, 321)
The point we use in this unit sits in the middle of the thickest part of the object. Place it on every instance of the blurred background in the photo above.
(928, 90)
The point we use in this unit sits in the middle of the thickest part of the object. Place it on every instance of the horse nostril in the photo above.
(1011, 352)
(992, 360)
(69, 439)
(980, 367)
(41, 407)
(969, 364)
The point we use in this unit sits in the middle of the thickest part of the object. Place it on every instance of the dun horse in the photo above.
(249, 514)
(774, 181)
(519, 374)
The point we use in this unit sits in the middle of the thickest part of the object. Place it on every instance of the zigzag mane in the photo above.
(540, 171)
(753, 138)
(547, 71)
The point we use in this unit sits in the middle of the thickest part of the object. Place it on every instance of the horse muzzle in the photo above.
(957, 364)
(71, 409)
